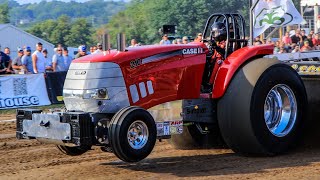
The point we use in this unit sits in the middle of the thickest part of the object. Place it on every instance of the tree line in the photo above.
(143, 18)
(140, 19)
(98, 12)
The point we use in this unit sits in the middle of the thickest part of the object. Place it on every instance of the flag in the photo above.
(275, 13)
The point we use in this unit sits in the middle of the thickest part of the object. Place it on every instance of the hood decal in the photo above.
(161, 56)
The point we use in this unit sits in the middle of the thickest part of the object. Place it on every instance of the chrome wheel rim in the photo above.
(138, 134)
(280, 110)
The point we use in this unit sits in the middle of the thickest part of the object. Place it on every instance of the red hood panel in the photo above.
(134, 53)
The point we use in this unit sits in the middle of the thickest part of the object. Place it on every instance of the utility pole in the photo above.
(252, 7)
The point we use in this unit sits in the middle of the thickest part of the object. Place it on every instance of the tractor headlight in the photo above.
(99, 94)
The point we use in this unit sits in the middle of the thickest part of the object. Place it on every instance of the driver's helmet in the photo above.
(218, 31)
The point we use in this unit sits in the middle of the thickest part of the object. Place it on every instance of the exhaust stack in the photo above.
(106, 42)
(121, 42)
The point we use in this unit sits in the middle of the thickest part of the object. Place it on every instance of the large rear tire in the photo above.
(261, 112)
(132, 134)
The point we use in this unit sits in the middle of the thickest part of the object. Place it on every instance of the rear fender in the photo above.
(230, 66)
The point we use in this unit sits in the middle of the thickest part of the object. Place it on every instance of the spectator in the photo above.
(316, 40)
(296, 48)
(99, 49)
(185, 40)
(38, 60)
(16, 63)
(57, 61)
(174, 42)
(134, 43)
(66, 59)
(282, 50)
(303, 36)
(3, 59)
(296, 38)
(179, 41)
(48, 60)
(309, 39)
(93, 49)
(257, 41)
(306, 47)
(165, 40)
(27, 61)
(269, 41)
(312, 33)
(198, 38)
(286, 39)
(82, 51)
(7, 51)
(276, 47)
(8, 64)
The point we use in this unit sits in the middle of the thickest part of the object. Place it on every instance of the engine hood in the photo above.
(139, 52)
(151, 75)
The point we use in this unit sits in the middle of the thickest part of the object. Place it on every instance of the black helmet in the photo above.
(219, 32)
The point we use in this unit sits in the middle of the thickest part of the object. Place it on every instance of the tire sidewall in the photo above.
(131, 153)
(275, 75)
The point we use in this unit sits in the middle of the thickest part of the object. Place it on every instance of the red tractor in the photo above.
(233, 94)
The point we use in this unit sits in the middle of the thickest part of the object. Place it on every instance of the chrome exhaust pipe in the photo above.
(106, 42)
(121, 42)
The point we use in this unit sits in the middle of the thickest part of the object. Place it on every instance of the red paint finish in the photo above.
(174, 77)
(232, 64)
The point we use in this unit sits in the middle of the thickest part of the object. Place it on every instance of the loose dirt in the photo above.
(29, 159)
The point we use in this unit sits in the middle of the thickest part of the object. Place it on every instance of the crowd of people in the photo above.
(28, 62)
(39, 61)
(299, 42)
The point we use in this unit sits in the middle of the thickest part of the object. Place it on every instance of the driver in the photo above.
(218, 39)
(216, 47)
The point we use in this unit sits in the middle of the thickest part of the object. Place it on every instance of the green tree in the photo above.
(80, 33)
(143, 18)
(61, 31)
(4, 13)
(64, 31)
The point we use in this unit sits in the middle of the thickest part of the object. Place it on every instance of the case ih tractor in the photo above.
(247, 99)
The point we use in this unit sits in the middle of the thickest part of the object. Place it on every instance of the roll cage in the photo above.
(235, 27)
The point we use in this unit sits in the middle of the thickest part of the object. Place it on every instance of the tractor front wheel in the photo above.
(132, 134)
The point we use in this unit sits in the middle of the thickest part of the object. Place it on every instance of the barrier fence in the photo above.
(27, 90)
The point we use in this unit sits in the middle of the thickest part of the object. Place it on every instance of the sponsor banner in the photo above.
(307, 69)
(54, 83)
(23, 91)
(275, 13)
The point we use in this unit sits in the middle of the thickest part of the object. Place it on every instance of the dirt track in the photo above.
(33, 160)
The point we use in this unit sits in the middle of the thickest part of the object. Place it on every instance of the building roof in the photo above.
(14, 37)
(2, 26)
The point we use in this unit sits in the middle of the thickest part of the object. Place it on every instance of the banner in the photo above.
(274, 13)
(23, 91)
(55, 82)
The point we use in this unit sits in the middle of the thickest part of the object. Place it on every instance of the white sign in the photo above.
(310, 2)
(23, 91)
(276, 13)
